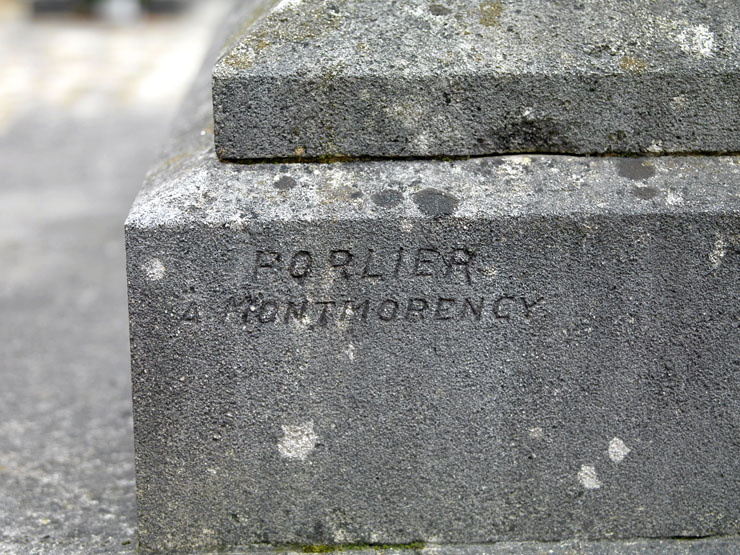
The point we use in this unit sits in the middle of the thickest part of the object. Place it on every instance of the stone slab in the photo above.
(496, 349)
(374, 78)
(703, 546)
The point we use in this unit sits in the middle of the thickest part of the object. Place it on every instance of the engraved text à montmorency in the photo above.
(378, 297)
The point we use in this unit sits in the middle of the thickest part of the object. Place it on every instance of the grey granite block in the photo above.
(496, 349)
(379, 78)
(685, 546)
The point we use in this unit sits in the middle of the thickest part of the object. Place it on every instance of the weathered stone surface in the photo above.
(497, 349)
(702, 546)
(353, 78)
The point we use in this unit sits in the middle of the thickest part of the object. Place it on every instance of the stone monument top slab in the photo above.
(379, 78)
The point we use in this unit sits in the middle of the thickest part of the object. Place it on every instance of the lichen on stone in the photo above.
(490, 13)
(632, 63)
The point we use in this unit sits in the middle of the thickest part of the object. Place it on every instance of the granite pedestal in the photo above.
(408, 353)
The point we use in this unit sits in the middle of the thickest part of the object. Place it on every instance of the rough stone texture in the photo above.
(380, 78)
(703, 546)
(562, 363)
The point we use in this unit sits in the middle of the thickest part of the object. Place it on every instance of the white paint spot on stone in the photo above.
(286, 4)
(350, 351)
(679, 102)
(718, 252)
(655, 148)
(618, 450)
(697, 40)
(490, 271)
(588, 478)
(298, 441)
(154, 269)
(340, 536)
(536, 433)
(421, 141)
(673, 199)
(409, 112)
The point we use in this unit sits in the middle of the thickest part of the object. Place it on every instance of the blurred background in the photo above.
(87, 93)
(113, 10)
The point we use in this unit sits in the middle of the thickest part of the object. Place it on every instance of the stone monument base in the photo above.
(404, 355)
(486, 350)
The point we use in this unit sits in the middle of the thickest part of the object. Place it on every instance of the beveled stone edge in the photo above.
(725, 545)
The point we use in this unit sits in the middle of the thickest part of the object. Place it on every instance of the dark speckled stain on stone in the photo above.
(439, 9)
(488, 166)
(635, 168)
(434, 203)
(387, 198)
(285, 183)
(645, 193)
